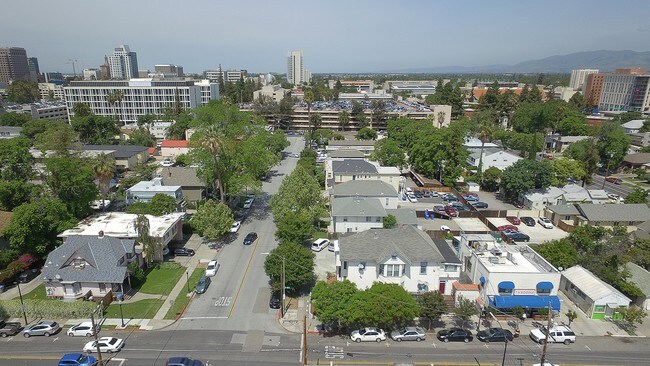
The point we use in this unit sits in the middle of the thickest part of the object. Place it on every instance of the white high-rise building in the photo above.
(295, 68)
(123, 63)
(578, 77)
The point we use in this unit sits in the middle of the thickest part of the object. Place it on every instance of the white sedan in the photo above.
(412, 198)
(546, 223)
(368, 335)
(249, 202)
(212, 268)
(167, 163)
(84, 329)
(106, 344)
(235, 226)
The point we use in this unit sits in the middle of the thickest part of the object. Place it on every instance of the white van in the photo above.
(333, 245)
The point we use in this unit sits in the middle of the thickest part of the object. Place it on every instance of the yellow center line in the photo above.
(241, 284)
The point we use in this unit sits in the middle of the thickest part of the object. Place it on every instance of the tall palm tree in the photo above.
(104, 169)
(344, 119)
(309, 99)
(484, 133)
(212, 139)
(113, 98)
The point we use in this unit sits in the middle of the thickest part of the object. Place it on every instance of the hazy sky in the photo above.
(335, 35)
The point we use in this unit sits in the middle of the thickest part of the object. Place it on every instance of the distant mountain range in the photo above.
(602, 60)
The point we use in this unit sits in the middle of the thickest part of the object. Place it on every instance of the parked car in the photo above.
(331, 247)
(426, 194)
(433, 193)
(319, 244)
(187, 252)
(84, 329)
(408, 190)
(167, 163)
(183, 361)
(513, 220)
(529, 221)
(28, 275)
(411, 197)
(480, 205)
(250, 238)
(418, 194)
(557, 334)
(9, 328)
(451, 211)
(455, 335)
(275, 301)
(202, 285)
(518, 204)
(508, 227)
(494, 335)
(44, 328)
(106, 344)
(517, 236)
(470, 197)
(408, 334)
(235, 226)
(368, 335)
(249, 203)
(77, 359)
(614, 180)
(439, 209)
(546, 223)
(449, 198)
(212, 268)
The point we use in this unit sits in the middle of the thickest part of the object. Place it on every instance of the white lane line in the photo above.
(203, 317)
(587, 347)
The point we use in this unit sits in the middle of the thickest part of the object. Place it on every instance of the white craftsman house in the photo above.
(404, 255)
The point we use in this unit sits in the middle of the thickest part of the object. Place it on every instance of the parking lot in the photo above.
(537, 233)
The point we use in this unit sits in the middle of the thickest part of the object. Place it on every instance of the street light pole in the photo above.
(187, 281)
(121, 313)
(22, 304)
(283, 288)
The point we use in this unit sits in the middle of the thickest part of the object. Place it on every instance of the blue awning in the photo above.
(545, 286)
(525, 301)
(507, 285)
(482, 279)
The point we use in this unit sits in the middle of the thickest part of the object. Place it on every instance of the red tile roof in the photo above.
(465, 286)
(174, 143)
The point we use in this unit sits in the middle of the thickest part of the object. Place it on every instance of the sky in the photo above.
(335, 36)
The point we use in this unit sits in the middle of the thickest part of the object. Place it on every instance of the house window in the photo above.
(102, 288)
(381, 270)
(387, 199)
(378, 219)
(345, 264)
(392, 270)
(450, 268)
(345, 219)
(423, 268)
(368, 218)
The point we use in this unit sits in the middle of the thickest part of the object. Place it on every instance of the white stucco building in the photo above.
(493, 157)
(404, 255)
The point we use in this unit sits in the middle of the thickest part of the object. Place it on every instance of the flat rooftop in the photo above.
(471, 224)
(519, 259)
(122, 225)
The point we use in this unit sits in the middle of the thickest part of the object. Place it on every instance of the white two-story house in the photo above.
(345, 170)
(354, 214)
(378, 189)
(403, 255)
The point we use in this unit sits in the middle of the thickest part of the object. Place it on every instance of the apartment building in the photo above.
(51, 90)
(296, 68)
(626, 90)
(139, 96)
(578, 77)
(231, 75)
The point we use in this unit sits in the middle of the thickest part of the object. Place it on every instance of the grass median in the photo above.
(182, 299)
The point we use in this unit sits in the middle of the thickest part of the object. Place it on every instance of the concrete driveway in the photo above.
(538, 234)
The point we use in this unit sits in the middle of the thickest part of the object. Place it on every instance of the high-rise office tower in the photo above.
(32, 63)
(295, 68)
(578, 77)
(13, 64)
(123, 63)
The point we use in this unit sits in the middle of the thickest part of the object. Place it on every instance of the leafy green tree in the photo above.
(332, 302)
(385, 305)
(563, 169)
(162, 204)
(71, 179)
(491, 179)
(571, 315)
(183, 160)
(300, 193)
(104, 169)
(294, 227)
(35, 126)
(15, 159)
(632, 315)
(141, 137)
(34, 226)
(388, 153)
(508, 103)
(358, 114)
(490, 100)
(23, 91)
(485, 124)
(95, 130)
(627, 117)
(638, 195)
(14, 193)
(390, 221)
(465, 311)
(212, 220)
(146, 121)
(586, 153)
(560, 253)
(524, 175)
(59, 137)
(298, 266)
(14, 119)
(366, 133)
(577, 101)
(378, 112)
(150, 246)
(613, 144)
(81, 110)
(308, 97)
(432, 305)
(448, 94)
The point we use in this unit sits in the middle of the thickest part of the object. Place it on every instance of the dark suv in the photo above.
(250, 238)
(274, 301)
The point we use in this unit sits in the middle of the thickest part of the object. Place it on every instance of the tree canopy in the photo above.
(23, 91)
(212, 219)
(388, 153)
(95, 130)
(299, 266)
(299, 193)
(524, 175)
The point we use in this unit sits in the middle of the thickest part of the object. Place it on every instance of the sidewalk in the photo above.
(25, 288)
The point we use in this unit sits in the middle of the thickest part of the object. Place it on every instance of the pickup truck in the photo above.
(9, 328)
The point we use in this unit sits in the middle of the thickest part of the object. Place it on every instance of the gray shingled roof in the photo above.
(100, 254)
(364, 188)
(181, 176)
(353, 166)
(638, 158)
(626, 212)
(121, 151)
(407, 242)
(446, 251)
(639, 276)
(357, 206)
(351, 143)
(404, 216)
(346, 153)
(564, 209)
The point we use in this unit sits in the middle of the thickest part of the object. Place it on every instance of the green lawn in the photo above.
(36, 294)
(160, 281)
(143, 309)
(320, 235)
(182, 299)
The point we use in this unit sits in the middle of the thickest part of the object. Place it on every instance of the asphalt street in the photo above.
(619, 189)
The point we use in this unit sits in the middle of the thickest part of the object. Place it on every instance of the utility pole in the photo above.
(99, 352)
(505, 350)
(548, 332)
(304, 339)
(283, 288)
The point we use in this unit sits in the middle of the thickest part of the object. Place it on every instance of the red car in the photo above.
(508, 227)
(614, 180)
(513, 220)
(451, 211)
